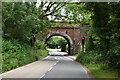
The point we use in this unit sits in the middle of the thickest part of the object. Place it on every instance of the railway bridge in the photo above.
(73, 35)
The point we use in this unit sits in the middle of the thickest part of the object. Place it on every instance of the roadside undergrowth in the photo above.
(16, 54)
(97, 67)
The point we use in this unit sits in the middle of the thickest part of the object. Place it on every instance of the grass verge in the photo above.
(97, 71)
(97, 67)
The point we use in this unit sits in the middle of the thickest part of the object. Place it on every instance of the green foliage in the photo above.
(98, 72)
(78, 13)
(63, 43)
(104, 33)
(102, 48)
(0, 62)
(55, 41)
(92, 57)
(40, 45)
(96, 64)
(15, 54)
(41, 53)
(21, 20)
(89, 44)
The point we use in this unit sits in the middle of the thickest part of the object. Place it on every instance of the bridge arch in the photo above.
(72, 34)
(67, 37)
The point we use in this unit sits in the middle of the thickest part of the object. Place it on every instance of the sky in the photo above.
(50, 17)
(62, 12)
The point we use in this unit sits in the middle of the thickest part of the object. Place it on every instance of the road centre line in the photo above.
(56, 63)
(42, 76)
(53, 66)
(50, 69)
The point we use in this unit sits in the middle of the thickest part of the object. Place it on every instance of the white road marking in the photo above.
(85, 70)
(18, 68)
(11, 70)
(55, 63)
(69, 59)
(50, 69)
(42, 76)
(53, 66)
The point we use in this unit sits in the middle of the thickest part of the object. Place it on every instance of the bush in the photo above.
(114, 57)
(15, 54)
(91, 57)
(41, 53)
(40, 45)
(108, 61)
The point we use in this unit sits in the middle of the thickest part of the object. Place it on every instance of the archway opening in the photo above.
(58, 42)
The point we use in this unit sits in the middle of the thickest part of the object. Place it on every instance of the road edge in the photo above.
(23, 65)
(88, 71)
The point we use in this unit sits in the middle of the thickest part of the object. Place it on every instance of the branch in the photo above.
(42, 4)
(55, 9)
(49, 7)
(60, 16)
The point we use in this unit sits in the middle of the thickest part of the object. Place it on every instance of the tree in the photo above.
(102, 26)
(63, 43)
(56, 41)
(21, 20)
(105, 31)
(52, 9)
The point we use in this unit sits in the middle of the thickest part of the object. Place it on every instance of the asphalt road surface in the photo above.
(57, 67)
(65, 68)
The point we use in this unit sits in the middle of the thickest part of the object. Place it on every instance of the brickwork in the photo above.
(72, 34)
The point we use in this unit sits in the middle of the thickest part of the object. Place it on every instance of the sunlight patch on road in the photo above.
(69, 58)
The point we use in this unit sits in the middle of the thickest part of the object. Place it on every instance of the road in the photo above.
(56, 52)
(58, 66)
(65, 68)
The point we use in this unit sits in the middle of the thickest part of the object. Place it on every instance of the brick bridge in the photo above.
(73, 35)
